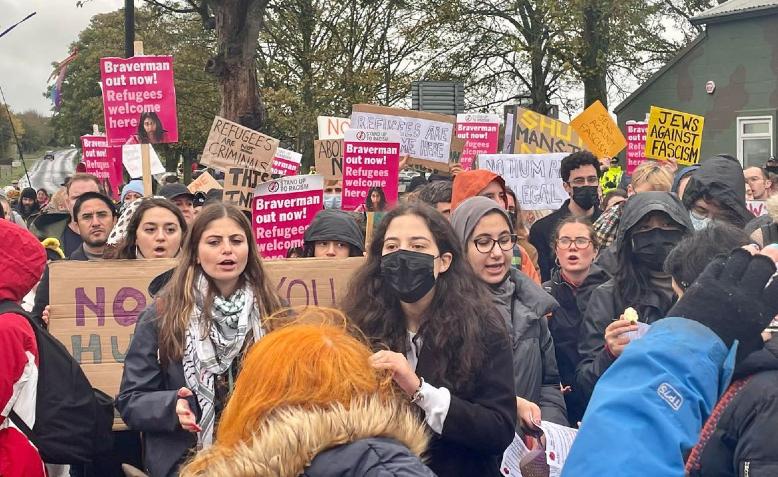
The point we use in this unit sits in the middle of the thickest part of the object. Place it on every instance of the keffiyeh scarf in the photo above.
(207, 357)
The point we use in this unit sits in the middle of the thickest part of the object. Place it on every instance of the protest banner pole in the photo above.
(370, 219)
(145, 156)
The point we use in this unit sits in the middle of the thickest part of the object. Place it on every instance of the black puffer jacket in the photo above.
(607, 304)
(721, 178)
(565, 327)
(743, 442)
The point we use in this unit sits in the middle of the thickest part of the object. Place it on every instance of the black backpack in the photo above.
(73, 421)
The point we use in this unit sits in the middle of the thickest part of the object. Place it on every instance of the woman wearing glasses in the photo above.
(485, 231)
(572, 282)
(651, 225)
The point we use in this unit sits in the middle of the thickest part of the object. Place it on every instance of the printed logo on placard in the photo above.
(360, 135)
(273, 186)
(670, 396)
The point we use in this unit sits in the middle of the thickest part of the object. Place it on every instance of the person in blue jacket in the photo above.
(648, 408)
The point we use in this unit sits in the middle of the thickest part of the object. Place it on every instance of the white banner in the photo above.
(421, 138)
(331, 127)
(534, 177)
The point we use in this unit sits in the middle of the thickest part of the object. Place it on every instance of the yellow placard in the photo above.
(599, 131)
(674, 135)
(539, 134)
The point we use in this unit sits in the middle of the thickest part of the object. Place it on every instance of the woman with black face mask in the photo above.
(651, 225)
(448, 348)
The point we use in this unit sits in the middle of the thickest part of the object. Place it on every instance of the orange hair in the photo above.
(313, 361)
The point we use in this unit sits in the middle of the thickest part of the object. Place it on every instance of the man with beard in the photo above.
(95, 216)
(580, 172)
(28, 203)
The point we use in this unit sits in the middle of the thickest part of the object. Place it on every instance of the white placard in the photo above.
(420, 138)
(534, 177)
(331, 127)
(131, 158)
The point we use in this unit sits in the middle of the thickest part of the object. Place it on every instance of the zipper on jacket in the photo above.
(746, 468)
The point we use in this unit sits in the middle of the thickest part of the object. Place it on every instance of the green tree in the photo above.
(38, 131)
(7, 142)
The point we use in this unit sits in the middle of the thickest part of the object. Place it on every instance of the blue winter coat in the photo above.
(648, 408)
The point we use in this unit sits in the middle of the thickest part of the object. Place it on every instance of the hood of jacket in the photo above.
(531, 296)
(289, 438)
(681, 174)
(469, 183)
(721, 178)
(334, 224)
(465, 218)
(22, 260)
(640, 205)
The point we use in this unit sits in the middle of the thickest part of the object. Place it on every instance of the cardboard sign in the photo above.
(286, 162)
(133, 162)
(599, 132)
(636, 145)
(481, 133)
(328, 154)
(100, 161)
(370, 159)
(534, 177)
(425, 137)
(231, 145)
(283, 209)
(95, 304)
(239, 185)
(757, 207)
(203, 183)
(539, 134)
(332, 128)
(674, 135)
(139, 99)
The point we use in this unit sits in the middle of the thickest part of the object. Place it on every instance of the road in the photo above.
(51, 174)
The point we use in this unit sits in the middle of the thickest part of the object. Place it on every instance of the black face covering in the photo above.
(586, 196)
(410, 275)
(652, 246)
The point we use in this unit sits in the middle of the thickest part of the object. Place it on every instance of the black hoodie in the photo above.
(335, 225)
(720, 178)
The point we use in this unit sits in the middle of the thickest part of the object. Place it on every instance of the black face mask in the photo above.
(652, 247)
(410, 275)
(586, 197)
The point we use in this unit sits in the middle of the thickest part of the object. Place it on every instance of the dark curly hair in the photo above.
(576, 160)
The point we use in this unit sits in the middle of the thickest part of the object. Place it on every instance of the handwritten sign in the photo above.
(100, 160)
(95, 304)
(239, 185)
(757, 207)
(636, 145)
(286, 162)
(133, 161)
(231, 145)
(598, 130)
(481, 133)
(328, 155)
(203, 183)
(674, 135)
(425, 137)
(534, 177)
(283, 210)
(539, 134)
(371, 159)
(331, 127)
(139, 99)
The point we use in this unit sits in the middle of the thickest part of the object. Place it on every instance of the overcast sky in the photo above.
(26, 52)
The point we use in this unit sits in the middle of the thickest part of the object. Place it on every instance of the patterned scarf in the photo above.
(207, 357)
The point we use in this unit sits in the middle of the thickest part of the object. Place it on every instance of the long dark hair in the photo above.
(144, 138)
(458, 320)
(177, 299)
(127, 248)
(369, 201)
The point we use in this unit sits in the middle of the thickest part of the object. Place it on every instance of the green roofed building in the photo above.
(729, 74)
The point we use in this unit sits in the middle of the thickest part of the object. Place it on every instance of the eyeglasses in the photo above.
(582, 181)
(486, 244)
(567, 242)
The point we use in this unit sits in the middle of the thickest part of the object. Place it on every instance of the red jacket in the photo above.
(22, 259)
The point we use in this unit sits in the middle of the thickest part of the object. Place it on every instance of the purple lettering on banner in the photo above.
(97, 306)
(122, 315)
(332, 288)
(305, 287)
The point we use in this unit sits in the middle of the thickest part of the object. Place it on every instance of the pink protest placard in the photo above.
(286, 162)
(481, 134)
(139, 100)
(282, 210)
(371, 168)
(636, 144)
(100, 160)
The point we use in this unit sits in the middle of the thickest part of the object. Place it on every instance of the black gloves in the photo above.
(730, 298)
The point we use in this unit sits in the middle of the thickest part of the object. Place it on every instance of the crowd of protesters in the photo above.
(467, 324)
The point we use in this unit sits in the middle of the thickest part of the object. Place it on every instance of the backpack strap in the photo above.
(21, 425)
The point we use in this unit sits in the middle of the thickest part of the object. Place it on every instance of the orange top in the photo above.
(469, 183)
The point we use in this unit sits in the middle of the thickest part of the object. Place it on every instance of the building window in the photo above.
(754, 140)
